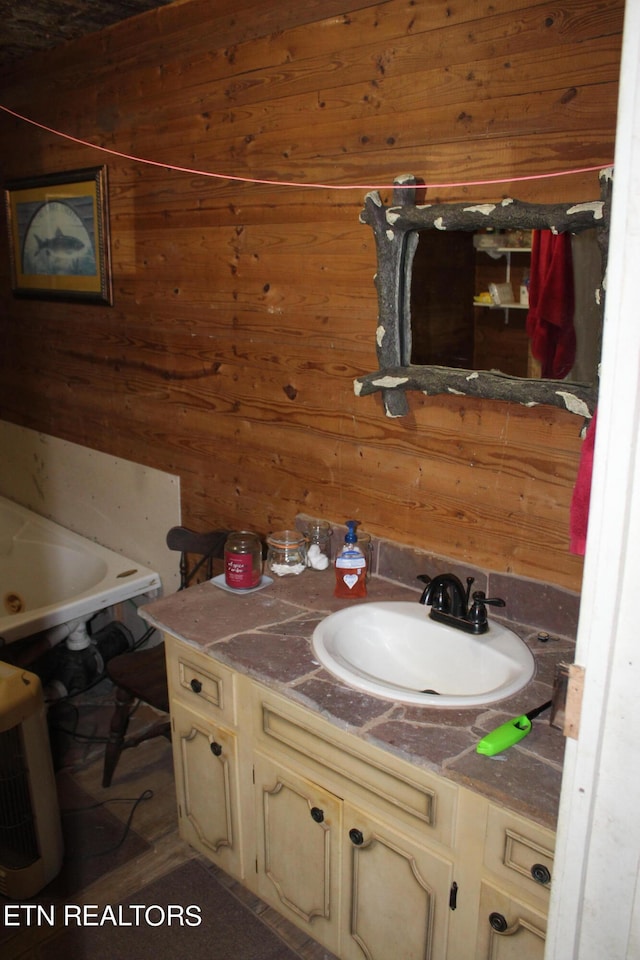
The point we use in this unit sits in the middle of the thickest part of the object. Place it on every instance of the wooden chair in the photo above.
(141, 675)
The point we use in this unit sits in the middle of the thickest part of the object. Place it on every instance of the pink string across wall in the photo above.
(293, 183)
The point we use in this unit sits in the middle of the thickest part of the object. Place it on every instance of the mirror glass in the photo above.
(456, 321)
(501, 300)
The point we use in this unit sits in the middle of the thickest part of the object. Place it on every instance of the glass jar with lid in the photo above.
(317, 534)
(286, 553)
(243, 560)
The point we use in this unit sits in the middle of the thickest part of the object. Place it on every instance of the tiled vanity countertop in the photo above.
(267, 635)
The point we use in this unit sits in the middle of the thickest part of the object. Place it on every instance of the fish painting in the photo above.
(57, 241)
(59, 244)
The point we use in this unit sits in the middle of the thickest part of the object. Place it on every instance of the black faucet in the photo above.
(450, 602)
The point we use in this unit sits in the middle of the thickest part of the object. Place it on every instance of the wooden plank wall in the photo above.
(243, 311)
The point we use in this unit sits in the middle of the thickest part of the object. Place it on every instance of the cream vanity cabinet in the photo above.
(205, 755)
(515, 886)
(370, 855)
(298, 850)
(343, 839)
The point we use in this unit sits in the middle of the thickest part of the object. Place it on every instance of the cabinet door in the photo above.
(395, 892)
(206, 769)
(298, 826)
(508, 927)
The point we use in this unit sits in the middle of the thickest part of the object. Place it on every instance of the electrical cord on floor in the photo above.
(90, 738)
(75, 720)
(51, 701)
(145, 795)
(85, 737)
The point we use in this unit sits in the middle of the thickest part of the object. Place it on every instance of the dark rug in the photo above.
(159, 918)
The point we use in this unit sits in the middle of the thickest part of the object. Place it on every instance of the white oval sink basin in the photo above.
(393, 650)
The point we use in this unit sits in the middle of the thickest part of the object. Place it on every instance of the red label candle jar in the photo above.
(243, 560)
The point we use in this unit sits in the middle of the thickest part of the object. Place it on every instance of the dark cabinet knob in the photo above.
(540, 873)
(356, 836)
(317, 814)
(216, 749)
(196, 685)
(498, 922)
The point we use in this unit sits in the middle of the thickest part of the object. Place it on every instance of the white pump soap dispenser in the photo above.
(351, 566)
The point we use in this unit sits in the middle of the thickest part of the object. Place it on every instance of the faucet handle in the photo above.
(478, 611)
(493, 601)
(479, 597)
(424, 578)
(435, 593)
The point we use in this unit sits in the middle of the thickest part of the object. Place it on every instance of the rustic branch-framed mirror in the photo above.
(398, 230)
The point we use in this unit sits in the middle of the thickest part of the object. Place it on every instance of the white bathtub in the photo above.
(50, 576)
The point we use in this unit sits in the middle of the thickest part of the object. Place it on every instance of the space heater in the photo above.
(31, 847)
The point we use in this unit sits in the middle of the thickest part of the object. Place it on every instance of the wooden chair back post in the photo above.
(208, 546)
(142, 675)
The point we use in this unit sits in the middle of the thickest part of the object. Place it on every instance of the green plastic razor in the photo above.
(511, 732)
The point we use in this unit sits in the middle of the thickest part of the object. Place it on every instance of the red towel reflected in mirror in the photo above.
(552, 304)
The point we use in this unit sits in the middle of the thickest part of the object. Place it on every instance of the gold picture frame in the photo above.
(59, 236)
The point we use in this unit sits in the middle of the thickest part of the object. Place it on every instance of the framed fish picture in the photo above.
(59, 236)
